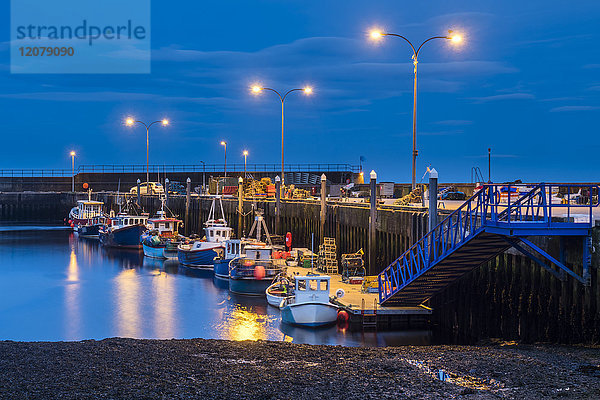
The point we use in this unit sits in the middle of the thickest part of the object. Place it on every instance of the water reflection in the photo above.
(126, 294)
(58, 287)
(72, 301)
(164, 305)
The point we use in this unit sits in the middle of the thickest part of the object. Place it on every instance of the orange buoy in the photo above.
(85, 185)
(342, 316)
(259, 272)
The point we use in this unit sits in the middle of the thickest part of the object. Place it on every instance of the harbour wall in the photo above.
(509, 297)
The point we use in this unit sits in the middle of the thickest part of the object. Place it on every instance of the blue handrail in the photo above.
(494, 206)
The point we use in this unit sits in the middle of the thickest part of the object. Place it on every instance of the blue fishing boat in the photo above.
(124, 231)
(254, 272)
(202, 253)
(235, 248)
(162, 237)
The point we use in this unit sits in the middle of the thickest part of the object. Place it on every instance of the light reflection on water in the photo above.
(57, 287)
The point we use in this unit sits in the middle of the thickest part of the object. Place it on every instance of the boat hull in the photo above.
(125, 238)
(221, 268)
(309, 314)
(153, 251)
(89, 231)
(249, 286)
(199, 257)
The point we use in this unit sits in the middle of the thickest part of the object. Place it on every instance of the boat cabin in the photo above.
(312, 288)
(261, 253)
(121, 221)
(166, 227)
(88, 209)
(218, 233)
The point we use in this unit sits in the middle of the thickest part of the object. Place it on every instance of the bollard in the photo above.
(240, 205)
(277, 202)
(167, 191)
(139, 200)
(188, 194)
(433, 190)
(372, 219)
(323, 207)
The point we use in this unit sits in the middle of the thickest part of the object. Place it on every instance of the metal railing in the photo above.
(492, 207)
(208, 168)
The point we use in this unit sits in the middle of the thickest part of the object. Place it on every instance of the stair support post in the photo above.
(372, 220)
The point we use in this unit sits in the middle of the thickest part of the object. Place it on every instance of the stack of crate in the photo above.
(328, 256)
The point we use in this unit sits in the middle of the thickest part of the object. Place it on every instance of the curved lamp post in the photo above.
(455, 39)
(257, 89)
(130, 122)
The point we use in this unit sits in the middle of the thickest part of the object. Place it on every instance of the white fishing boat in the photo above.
(87, 218)
(309, 306)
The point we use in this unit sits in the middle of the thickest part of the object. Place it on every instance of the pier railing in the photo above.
(154, 169)
(504, 210)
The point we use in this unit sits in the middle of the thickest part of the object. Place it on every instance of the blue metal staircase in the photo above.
(494, 219)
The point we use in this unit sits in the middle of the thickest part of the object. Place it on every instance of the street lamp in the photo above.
(245, 153)
(455, 39)
(72, 171)
(130, 122)
(224, 144)
(256, 89)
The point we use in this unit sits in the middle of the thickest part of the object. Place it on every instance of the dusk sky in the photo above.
(525, 82)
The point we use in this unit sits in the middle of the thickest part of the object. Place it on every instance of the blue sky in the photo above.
(525, 82)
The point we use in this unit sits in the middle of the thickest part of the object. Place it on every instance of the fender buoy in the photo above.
(342, 316)
(259, 272)
(288, 240)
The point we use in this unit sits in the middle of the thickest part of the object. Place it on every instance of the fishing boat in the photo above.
(252, 273)
(162, 237)
(202, 253)
(87, 217)
(309, 306)
(125, 229)
(280, 289)
(235, 248)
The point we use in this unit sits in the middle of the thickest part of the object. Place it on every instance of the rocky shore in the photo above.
(216, 369)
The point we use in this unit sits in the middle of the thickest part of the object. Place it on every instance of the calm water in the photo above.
(54, 286)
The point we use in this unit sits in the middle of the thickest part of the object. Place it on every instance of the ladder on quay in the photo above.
(486, 225)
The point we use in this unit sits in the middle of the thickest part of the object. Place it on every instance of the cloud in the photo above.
(574, 108)
(498, 97)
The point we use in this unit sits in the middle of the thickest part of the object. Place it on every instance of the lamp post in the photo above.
(245, 160)
(257, 89)
(224, 144)
(72, 171)
(203, 177)
(455, 39)
(130, 122)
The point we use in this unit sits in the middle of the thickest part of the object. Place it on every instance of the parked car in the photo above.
(453, 195)
(148, 188)
(177, 188)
